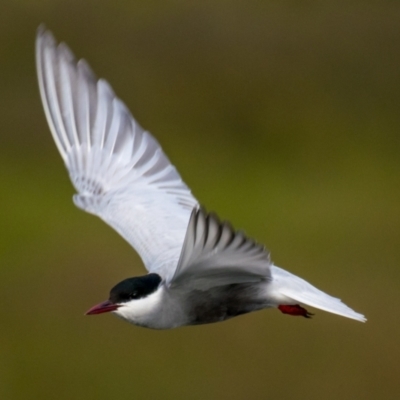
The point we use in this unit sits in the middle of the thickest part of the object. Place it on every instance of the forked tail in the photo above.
(288, 289)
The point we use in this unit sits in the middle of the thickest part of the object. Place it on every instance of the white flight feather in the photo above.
(119, 170)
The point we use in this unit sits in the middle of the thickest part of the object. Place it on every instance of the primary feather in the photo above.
(213, 254)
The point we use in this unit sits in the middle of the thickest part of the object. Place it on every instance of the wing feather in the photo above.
(213, 254)
(119, 170)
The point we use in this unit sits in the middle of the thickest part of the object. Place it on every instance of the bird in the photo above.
(200, 269)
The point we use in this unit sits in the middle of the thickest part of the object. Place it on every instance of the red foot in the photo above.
(295, 310)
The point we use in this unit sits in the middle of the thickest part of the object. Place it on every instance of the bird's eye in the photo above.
(133, 295)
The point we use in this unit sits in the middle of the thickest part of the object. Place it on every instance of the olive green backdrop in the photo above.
(282, 116)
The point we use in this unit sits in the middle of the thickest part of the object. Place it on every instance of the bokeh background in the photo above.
(284, 117)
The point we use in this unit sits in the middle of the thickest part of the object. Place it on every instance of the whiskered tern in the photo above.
(200, 270)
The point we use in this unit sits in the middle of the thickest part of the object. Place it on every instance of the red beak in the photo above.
(105, 306)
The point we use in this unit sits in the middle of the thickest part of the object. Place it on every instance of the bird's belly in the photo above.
(220, 304)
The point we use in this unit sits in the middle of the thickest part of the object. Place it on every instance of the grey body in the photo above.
(222, 303)
(165, 308)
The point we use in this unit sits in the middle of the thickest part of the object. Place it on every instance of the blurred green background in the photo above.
(281, 116)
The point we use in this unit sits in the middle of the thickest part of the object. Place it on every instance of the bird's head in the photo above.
(127, 293)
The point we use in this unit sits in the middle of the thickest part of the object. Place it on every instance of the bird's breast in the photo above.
(159, 310)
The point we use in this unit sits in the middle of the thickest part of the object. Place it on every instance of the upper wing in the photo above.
(119, 170)
(213, 254)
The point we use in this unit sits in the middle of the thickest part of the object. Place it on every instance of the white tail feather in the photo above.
(286, 288)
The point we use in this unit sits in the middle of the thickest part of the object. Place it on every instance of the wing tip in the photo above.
(44, 35)
(41, 29)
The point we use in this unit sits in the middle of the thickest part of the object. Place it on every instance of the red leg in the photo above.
(295, 310)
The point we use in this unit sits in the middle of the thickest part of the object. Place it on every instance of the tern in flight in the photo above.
(200, 270)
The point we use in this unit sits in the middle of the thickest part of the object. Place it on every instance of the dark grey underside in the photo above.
(221, 303)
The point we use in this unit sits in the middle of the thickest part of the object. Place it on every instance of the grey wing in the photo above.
(213, 254)
(119, 170)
